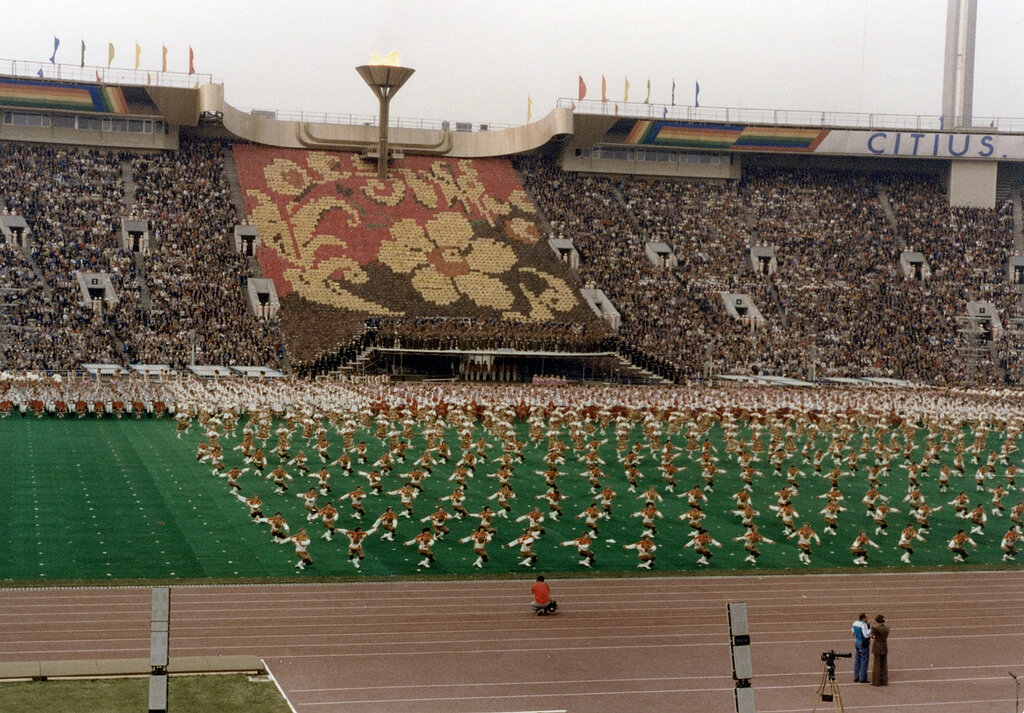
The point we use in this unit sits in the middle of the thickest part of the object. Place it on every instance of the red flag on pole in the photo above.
(604, 89)
(191, 61)
(583, 88)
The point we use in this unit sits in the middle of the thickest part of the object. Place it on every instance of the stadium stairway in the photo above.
(128, 181)
(1018, 219)
(26, 251)
(633, 220)
(140, 276)
(231, 173)
(883, 198)
(542, 219)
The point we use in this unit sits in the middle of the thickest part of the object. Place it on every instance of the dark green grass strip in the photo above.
(195, 694)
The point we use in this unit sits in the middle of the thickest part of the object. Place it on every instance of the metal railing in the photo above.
(790, 117)
(371, 120)
(105, 75)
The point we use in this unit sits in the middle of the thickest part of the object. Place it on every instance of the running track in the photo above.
(616, 645)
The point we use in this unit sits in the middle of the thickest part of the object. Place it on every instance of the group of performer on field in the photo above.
(671, 445)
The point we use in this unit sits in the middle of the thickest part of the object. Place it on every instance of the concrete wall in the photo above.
(651, 168)
(98, 139)
(347, 137)
(972, 184)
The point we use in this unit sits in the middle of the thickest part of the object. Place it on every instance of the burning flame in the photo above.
(390, 60)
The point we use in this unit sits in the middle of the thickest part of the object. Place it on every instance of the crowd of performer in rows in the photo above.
(875, 462)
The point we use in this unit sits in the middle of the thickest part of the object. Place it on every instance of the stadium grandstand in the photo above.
(168, 229)
(447, 354)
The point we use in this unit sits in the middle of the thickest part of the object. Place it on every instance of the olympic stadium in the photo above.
(605, 346)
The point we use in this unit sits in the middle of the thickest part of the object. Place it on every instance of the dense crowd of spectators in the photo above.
(839, 300)
(195, 276)
(838, 303)
(73, 202)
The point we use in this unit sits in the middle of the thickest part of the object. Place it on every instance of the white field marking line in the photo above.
(632, 680)
(582, 602)
(680, 608)
(502, 650)
(494, 636)
(583, 636)
(497, 684)
(622, 583)
(279, 689)
(668, 598)
(914, 706)
(577, 694)
(585, 694)
(908, 626)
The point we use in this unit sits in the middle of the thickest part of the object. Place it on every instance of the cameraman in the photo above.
(861, 648)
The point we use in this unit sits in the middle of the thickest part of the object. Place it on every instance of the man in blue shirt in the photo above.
(861, 648)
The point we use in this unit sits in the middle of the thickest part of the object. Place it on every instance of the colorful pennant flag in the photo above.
(110, 53)
(191, 61)
(648, 99)
(583, 88)
(83, 54)
(138, 53)
(604, 89)
(625, 94)
(696, 95)
(673, 92)
(163, 66)
(664, 112)
(529, 108)
(56, 44)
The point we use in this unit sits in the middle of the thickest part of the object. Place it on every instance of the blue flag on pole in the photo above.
(56, 44)
(696, 95)
(664, 112)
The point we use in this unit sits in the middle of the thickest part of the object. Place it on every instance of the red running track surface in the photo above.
(635, 644)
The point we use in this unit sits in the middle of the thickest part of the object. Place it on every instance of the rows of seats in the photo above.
(839, 287)
(73, 201)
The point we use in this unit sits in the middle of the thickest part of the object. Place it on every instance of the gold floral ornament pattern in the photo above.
(438, 236)
(315, 261)
(446, 261)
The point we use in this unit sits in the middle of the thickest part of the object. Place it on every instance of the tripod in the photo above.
(828, 678)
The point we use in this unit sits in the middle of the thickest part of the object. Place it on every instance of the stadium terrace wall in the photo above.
(344, 137)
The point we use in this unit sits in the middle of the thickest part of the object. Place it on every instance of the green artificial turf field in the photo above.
(185, 694)
(113, 499)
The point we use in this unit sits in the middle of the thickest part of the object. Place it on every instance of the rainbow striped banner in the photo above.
(56, 95)
(729, 137)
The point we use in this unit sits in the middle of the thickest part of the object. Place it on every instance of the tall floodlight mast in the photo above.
(958, 72)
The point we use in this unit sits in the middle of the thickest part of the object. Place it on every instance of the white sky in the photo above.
(479, 60)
